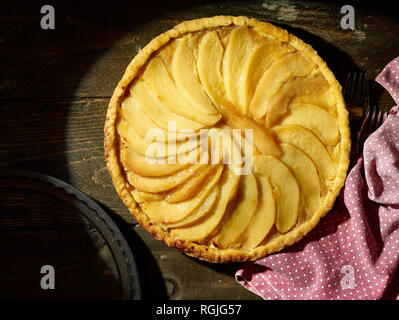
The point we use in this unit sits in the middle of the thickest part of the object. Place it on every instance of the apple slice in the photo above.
(166, 90)
(316, 119)
(262, 137)
(241, 215)
(155, 167)
(204, 209)
(286, 192)
(306, 141)
(308, 89)
(138, 119)
(156, 149)
(157, 112)
(263, 219)
(184, 72)
(142, 196)
(209, 62)
(165, 212)
(290, 65)
(239, 46)
(205, 226)
(164, 183)
(135, 141)
(192, 187)
(320, 92)
(257, 62)
(306, 174)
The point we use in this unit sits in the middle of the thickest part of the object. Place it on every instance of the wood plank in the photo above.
(37, 228)
(62, 138)
(86, 55)
(187, 278)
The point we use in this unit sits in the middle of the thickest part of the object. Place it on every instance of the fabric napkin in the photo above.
(353, 253)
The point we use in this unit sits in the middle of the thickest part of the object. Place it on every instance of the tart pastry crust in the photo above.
(289, 129)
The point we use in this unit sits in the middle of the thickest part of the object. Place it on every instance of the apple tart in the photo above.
(229, 76)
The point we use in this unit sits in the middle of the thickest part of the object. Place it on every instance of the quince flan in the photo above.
(268, 98)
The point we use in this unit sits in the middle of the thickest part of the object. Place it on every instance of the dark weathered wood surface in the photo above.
(40, 225)
(55, 86)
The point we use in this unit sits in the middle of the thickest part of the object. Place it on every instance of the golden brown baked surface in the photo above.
(227, 76)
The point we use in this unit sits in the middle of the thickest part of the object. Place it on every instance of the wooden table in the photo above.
(55, 86)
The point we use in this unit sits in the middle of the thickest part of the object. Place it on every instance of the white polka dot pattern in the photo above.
(354, 251)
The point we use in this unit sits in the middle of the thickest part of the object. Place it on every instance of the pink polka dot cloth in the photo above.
(353, 253)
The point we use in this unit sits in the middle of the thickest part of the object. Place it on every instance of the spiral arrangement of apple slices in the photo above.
(231, 77)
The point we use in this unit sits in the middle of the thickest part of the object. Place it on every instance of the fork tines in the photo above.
(356, 92)
(373, 119)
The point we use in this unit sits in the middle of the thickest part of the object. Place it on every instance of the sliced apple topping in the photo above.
(209, 65)
(255, 65)
(143, 125)
(262, 137)
(163, 183)
(290, 65)
(286, 190)
(299, 88)
(137, 119)
(321, 93)
(141, 145)
(204, 209)
(306, 175)
(193, 186)
(166, 90)
(239, 46)
(154, 167)
(307, 142)
(156, 111)
(165, 212)
(315, 118)
(263, 219)
(185, 75)
(142, 196)
(246, 202)
(200, 230)
(157, 149)
(223, 79)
